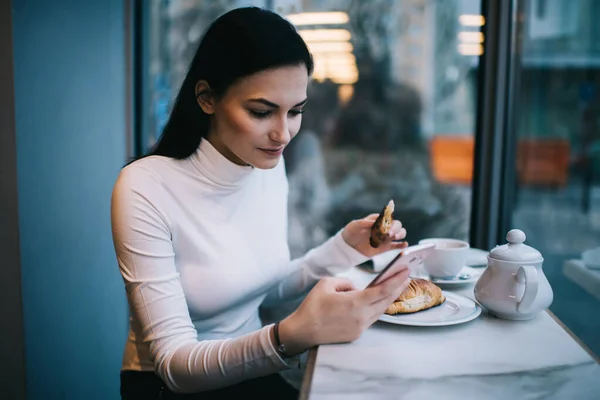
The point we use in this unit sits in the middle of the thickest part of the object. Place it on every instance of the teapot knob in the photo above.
(515, 236)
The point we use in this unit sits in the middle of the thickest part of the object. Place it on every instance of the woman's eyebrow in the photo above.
(273, 105)
(303, 102)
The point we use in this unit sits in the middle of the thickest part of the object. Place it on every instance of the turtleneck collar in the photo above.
(216, 167)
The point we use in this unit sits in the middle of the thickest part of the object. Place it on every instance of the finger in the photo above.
(396, 227)
(368, 221)
(396, 290)
(379, 308)
(364, 224)
(391, 243)
(386, 289)
(372, 217)
(399, 235)
(393, 246)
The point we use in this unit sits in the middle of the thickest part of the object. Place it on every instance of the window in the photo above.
(557, 199)
(373, 130)
(395, 123)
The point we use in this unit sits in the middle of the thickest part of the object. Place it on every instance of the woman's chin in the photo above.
(266, 163)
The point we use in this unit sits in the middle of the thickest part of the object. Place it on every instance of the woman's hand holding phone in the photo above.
(335, 312)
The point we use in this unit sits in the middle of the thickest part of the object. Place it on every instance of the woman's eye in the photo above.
(260, 114)
(268, 113)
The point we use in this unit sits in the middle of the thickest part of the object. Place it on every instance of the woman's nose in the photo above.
(281, 133)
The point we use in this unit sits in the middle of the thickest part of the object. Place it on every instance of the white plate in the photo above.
(455, 310)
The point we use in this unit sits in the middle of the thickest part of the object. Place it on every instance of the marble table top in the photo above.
(487, 358)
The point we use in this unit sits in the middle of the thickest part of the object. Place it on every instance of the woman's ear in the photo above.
(204, 97)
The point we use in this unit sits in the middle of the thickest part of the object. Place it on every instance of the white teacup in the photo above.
(447, 259)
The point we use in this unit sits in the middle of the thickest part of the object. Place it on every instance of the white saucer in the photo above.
(455, 282)
(455, 310)
(474, 273)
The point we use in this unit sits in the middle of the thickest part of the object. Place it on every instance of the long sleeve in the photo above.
(330, 258)
(144, 249)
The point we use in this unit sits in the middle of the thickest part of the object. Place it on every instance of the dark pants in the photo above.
(137, 385)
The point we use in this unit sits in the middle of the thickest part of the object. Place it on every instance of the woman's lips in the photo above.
(276, 152)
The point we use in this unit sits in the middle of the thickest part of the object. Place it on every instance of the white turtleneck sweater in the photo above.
(202, 244)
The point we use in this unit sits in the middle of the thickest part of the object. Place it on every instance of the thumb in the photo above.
(392, 286)
(396, 292)
(367, 221)
(371, 217)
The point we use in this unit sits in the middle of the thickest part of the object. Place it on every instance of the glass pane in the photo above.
(558, 155)
(391, 110)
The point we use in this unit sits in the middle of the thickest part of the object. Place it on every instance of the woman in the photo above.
(199, 229)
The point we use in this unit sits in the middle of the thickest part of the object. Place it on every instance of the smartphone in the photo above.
(367, 266)
(410, 257)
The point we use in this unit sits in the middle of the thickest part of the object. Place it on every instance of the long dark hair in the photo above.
(237, 44)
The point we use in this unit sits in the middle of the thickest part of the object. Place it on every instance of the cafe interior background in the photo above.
(472, 123)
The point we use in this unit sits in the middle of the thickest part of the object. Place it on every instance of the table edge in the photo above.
(312, 358)
(308, 373)
(593, 355)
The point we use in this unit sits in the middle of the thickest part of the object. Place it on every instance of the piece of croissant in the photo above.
(420, 294)
(381, 228)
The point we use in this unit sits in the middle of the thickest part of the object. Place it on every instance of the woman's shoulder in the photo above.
(145, 176)
(146, 168)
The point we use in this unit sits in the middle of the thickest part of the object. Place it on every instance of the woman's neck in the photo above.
(217, 143)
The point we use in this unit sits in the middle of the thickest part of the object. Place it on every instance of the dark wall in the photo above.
(12, 365)
(70, 87)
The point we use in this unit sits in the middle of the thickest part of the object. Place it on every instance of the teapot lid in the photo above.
(515, 250)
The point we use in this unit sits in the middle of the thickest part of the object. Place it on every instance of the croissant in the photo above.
(420, 294)
(381, 228)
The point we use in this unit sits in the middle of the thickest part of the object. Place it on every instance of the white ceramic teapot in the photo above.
(514, 286)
